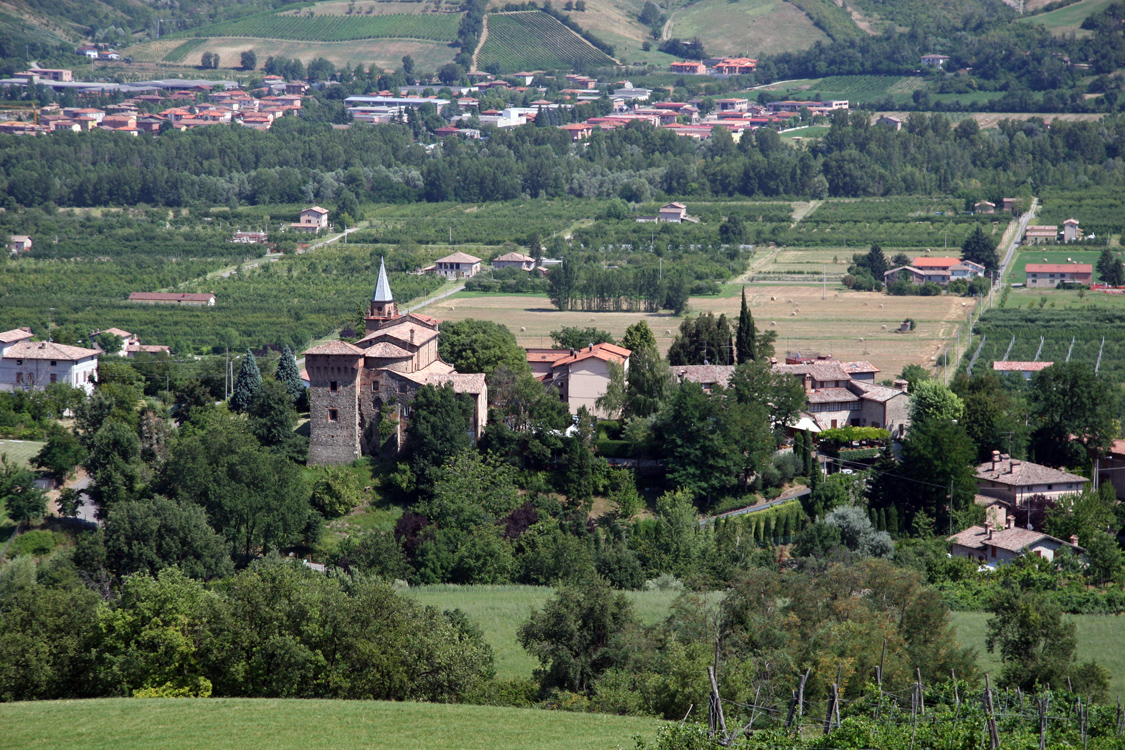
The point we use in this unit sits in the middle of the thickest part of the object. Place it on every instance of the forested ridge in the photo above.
(219, 166)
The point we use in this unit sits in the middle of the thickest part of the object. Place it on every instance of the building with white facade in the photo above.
(33, 365)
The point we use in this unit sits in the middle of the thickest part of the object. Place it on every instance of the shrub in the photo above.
(36, 543)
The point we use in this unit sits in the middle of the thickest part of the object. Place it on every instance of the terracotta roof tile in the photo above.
(335, 347)
(48, 350)
(1022, 473)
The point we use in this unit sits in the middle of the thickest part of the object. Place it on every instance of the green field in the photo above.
(1045, 255)
(1100, 637)
(247, 724)
(20, 451)
(532, 40)
(182, 51)
(440, 27)
(760, 27)
(1070, 18)
(500, 610)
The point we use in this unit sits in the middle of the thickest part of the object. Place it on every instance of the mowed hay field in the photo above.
(256, 724)
(500, 610)
(759, 26)
(806, 323)
(384, 53)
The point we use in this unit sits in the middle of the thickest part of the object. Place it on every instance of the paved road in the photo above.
(87, 511)
(430, 300)
(1019, 235)
(762, 506)
(330, 240)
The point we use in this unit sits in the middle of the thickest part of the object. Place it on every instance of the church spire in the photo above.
(383, 287)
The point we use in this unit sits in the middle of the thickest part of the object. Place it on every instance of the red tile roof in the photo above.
(1079, 268)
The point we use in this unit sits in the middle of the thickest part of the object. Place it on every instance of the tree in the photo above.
(335, 493)
(756, 382)
(114, 463)
(288, 375)
(480, 346)
(732, 231)
(1035, 642)
(253, 496)
(148, 536)
(934, 400)
(937, 457)
(439, 424)
(247, 384)
(450, 73)
(273, 420)
(857, 534)
(573, 337)
(1074, 412)
(22, 500)
(638, 336)
(562, 284)
(650, 383)
(578, 635)
(980, 248)
(61, 454)
(248, 59)
(408, 65)
(703, 340)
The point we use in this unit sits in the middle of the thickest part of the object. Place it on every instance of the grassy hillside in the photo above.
(760, 27)
(499, 610)
(439, 27)
(227, 724)
(535, 41)
(1068, 19)
(1099, 638)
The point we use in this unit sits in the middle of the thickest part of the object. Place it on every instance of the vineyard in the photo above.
(536, 41)
(433, 27)
(938, 236)
(179, 53)
(890, 209)
(1066, 335)
(1099, 210)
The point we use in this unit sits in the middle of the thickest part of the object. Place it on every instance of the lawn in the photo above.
(1064, 299)
(238, 724)
(849, 325)
(500, 610)
(1047, 254)
(1100, 637)
(20, 451)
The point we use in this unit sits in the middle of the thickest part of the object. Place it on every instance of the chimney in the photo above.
(411, 335)
(1074, 539)
(1011, 522)
(901, 385)
(988, 528)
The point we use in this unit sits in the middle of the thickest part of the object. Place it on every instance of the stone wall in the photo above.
(334, 441)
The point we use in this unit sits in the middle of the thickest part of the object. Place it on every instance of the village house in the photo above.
(1013, 480)
(173, 298)
(1048, 234)
(514, 260)
(935, 61)
(249, 238)
(984, 207)
(844, 393)
(934, 270)
(127, 339)
(734, 66)
(355, 387)
(456, 266)
(49, 74)
(579, 376)
(1050, 275)
(708, 376)
(312, 220)
(19, 243)
(1111, 468)
(891, 123)
(669, 213)
(33, 365)
(1071, 232)
(1025, 369)
(991, 547)
(689, 67)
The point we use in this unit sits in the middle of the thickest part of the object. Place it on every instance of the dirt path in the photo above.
(480, 44)
(804, 209)
(666, 31)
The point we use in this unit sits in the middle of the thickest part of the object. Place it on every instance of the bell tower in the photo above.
(383, 307)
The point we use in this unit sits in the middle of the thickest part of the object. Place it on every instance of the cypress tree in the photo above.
(892, 520)
(288, 375)
(745, 345)
(247, 384)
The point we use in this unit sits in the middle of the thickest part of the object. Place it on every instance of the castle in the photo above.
(352, 387)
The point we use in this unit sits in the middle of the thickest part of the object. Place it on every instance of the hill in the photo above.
(533, 40)
(1068, 19)
(230, 724)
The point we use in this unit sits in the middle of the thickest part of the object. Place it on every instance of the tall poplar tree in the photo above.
(745, 341)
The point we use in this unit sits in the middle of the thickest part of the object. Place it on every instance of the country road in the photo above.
(761, 506)
(1028, 216)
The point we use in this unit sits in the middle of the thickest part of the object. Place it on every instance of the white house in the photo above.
(514, 260)
(8, 339)
(990, 546)
(19, 243)
(312, 220)
(33, 365)
(456, 266)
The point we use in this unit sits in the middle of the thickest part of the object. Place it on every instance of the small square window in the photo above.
(53, 363)
(19, 361)
(333, 386)
(333, 415)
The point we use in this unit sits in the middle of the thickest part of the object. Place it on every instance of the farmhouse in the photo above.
(173, 298)
(249, 238)
(1047, 234)
(127, 339)
(579, 376)
(734, 66)
(935, 61)
(353, 388)
(1013, 481)
(33, 365)
(669, 213)
(689, 67)
(514, 260)
(312, 220)
(9, 339)
(984, 207)
(1071, 232)
(991, 547)
(1050, 275)
(1026, 369)
(844, 393)
(891, 123)
(19, 243)
(707, 376)
(456, 266)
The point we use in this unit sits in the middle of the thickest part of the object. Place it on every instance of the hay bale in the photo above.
(773, 299)
(592, 319)
(668, 331)
(797, 310)
(880, 305)
(773, 322)
(865, 304)
(884, 328)
(523, 330)
(792, 315)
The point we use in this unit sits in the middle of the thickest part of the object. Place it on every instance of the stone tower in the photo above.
(383, 308)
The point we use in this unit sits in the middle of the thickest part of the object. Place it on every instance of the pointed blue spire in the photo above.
(383, 287)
